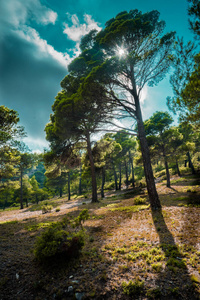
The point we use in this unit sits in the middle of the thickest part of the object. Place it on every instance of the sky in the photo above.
(39, 38)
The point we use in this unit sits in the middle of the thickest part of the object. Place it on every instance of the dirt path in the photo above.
(21, 214)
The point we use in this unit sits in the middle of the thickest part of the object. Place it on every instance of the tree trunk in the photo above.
(132, 169)
(26, 202)
(103, 182)
(191, 166)
(177, 167)
(21, 190)
(60, 192)
(126, 172)
(151, 187)
(115, 176)
(92, 167)
(69, 191)
(166, 168)
(185, 163)
(80, 185)
(120, 176)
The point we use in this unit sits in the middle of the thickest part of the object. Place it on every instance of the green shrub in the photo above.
(110, 186)
(154, 293)
(46, 208)
(55, 241)
(133, 288)
(139, 200)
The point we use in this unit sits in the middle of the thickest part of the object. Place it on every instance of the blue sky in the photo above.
(38, 39)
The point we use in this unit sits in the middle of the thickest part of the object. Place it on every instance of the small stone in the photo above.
(70, 277)
(79, 296)
(70, 289)
(75, 281)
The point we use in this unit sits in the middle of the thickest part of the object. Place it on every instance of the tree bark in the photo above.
(191, 166)
(177, 167)
(21, 189)
(103, 182)
(132, 169)
(80, 184)
(126, 172)
(93, 173)
(151, 187)
(60, 192)
(120, 176)
(115, 176)
(166, 167)
(69, 191)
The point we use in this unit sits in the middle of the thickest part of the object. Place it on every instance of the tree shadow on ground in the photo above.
(174, 281)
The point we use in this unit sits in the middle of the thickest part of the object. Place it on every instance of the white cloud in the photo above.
(44, 49)
(36, 145)
(77, 30)
(17, 12)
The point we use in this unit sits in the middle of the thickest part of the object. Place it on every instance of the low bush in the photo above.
(139, 200)
(55, 242)
(133, 288)
(61, 239)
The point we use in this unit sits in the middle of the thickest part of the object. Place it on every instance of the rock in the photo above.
(70, 277)
(79, 296)
(70, 289)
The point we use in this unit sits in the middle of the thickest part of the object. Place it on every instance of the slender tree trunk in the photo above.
(92, 167)
(126, 172)
(69, 190)
(120, 176)
(166, 167)
(177, 167)
(60, 192)
(21, 190)
(115, 176)
(132, 169)
(103, 182)
(191, 166)
(151, 187)
(80, 185)
(185, 163)
(36, 197)
(26, 202)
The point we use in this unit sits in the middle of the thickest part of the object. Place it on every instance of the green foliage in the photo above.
(133, 288)
(154, 293)
(55, 241)
(83, 216)
(139, 200)
(60, 238)
(46, 208)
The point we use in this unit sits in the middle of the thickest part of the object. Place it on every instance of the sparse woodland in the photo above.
(109, 211)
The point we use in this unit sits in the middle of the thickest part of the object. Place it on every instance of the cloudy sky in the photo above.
(38, 38)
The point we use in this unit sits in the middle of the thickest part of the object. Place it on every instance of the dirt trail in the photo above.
(21, 214)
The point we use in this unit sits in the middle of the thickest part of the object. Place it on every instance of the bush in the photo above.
(54, 242)
(46, 208)
(133, 288)
(139, 200)
(60, 239)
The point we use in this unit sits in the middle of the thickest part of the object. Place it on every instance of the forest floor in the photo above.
(130, 251)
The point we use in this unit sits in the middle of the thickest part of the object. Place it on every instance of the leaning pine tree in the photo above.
(129, 53)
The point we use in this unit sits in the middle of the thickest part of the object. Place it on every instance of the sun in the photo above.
(121, 51)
